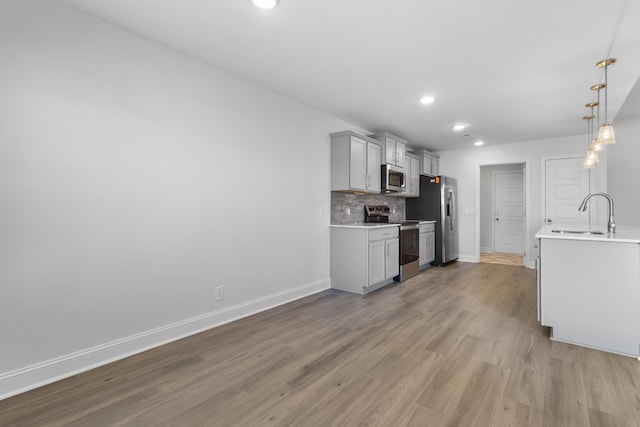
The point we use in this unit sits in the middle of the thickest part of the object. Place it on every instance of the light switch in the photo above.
(469, 211)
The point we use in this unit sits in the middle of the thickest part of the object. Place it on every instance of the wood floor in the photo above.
(501, 258)
(455, 346)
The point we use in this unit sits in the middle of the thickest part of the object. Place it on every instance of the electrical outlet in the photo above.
(219, 293)
(348, 211)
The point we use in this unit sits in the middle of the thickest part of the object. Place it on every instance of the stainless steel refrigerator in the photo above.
(437, 202)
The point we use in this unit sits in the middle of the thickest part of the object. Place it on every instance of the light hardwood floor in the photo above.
(455, 346)
(501, 258)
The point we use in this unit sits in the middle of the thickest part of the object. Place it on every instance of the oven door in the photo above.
(409, 245)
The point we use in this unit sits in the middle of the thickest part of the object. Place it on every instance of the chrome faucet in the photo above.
(611, 225)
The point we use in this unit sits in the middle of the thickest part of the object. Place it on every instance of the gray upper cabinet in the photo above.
(355, 163)
(412, 176)
(429, 163)
(435, 165)
(393, 148)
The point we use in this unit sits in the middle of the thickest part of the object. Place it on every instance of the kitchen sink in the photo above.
(585, 232)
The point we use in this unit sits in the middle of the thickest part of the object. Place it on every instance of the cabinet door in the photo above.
(374, 153)
(414, 170)
(422, 248)
(407, 190)
(400, 152)
(392, 266)
(377, 262)
(435, 166)
(426, 164)
(358, 163)
(389, 150)
(431, 246)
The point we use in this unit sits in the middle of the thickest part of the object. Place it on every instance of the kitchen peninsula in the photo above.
(589, 287)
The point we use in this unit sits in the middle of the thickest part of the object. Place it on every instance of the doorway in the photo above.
(502, 213)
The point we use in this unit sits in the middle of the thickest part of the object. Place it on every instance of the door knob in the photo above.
(497, 219)
(549, 221)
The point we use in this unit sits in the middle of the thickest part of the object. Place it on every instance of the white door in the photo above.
(566, 184)
(509, 212)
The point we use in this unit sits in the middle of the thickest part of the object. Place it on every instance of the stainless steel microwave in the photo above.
(393, 179)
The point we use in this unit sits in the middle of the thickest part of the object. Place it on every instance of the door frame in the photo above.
(528, 257)
(493, 201)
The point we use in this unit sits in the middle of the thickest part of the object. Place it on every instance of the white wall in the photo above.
(465, 166)
(487, 200)
(133, 181)
(623, 171)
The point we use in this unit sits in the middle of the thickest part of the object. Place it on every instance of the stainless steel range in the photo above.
(409, 246)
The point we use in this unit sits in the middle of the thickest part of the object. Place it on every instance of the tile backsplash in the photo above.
(349, 208)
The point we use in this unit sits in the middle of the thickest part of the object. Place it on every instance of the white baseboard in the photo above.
(46, 372)
(468, 258)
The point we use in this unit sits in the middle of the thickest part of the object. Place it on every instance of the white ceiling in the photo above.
(515, 70)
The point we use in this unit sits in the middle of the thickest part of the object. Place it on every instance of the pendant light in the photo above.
(606, 135)
(597, 87)
(594, 145)
(592, 156)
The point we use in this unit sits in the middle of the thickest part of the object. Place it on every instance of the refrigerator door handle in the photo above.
(453, 208)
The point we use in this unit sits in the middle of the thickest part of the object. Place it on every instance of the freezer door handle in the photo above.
(453, 209)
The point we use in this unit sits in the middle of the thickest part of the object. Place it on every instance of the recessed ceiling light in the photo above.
(478, 143)
(459, 127)
(265, 4)
(426, 100)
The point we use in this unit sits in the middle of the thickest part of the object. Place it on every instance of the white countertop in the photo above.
(364, 225)
(374, 224)
(623, 234)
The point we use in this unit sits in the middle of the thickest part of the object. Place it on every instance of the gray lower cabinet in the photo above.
(364, 259)
(427, 244)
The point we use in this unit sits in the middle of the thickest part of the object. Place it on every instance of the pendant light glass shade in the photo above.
(588, 164)
(606, 135)
(592, 157)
